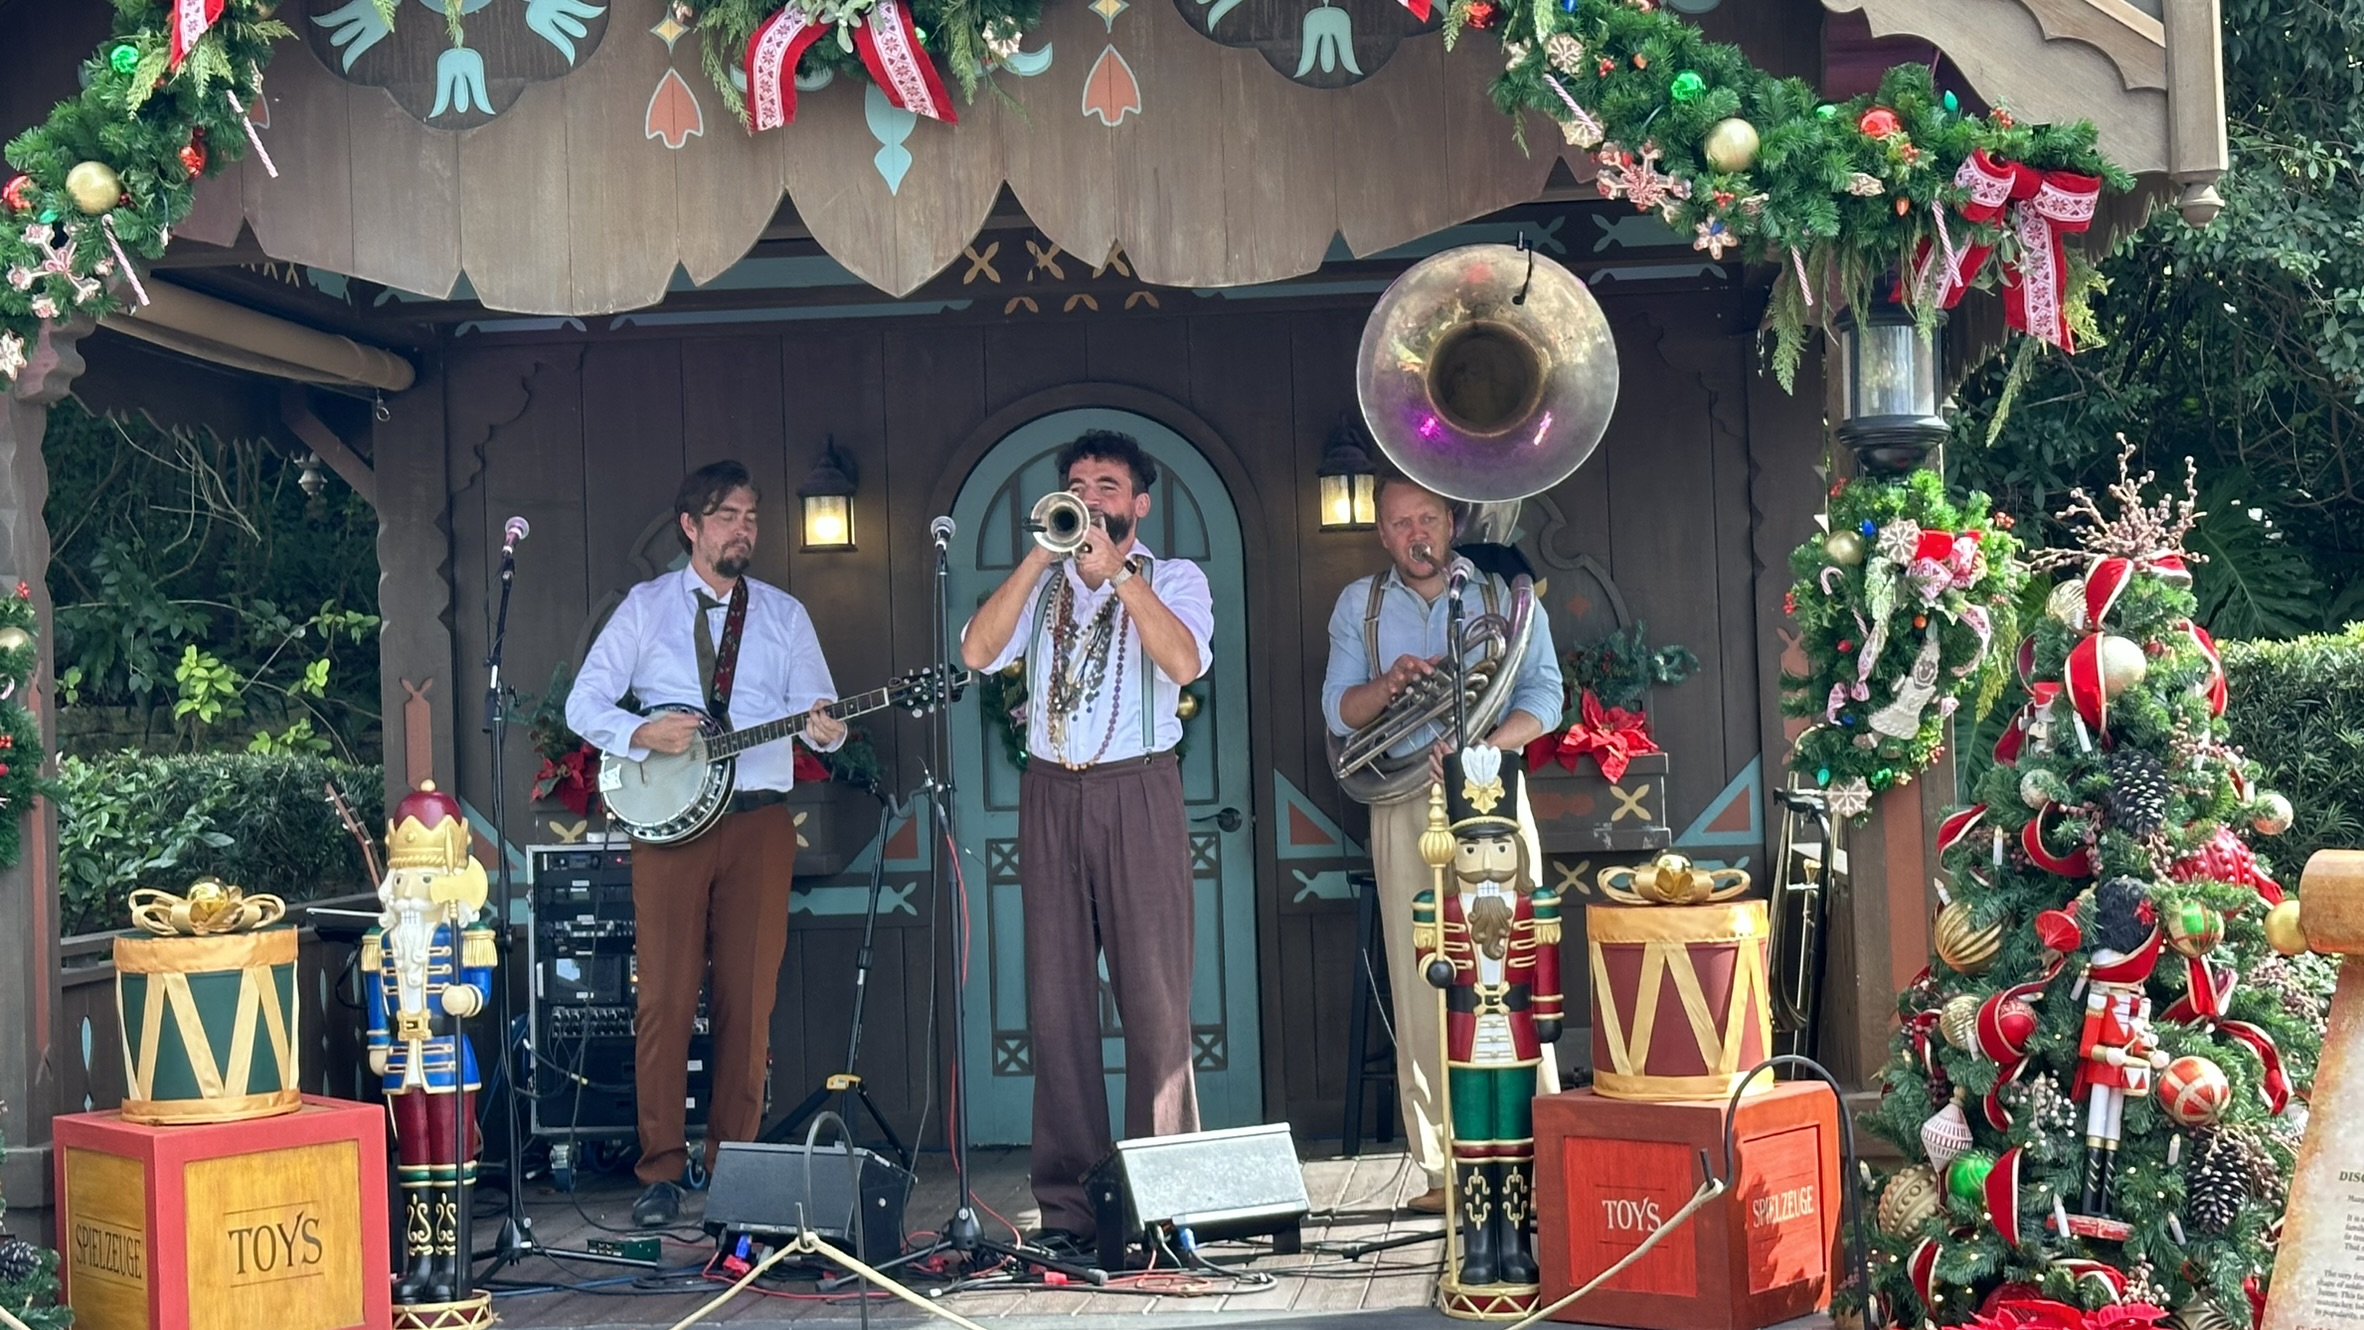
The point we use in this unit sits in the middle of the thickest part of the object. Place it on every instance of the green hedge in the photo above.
(2298, 712)
(262, 822)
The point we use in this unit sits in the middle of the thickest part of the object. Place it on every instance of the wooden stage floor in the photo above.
(1354, 1202)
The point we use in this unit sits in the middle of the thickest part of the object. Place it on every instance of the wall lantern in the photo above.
(1349, 483)
(1890, 380)
(828, 494)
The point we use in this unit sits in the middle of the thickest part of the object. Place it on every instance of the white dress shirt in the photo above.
(1183, 588)
(646, 650)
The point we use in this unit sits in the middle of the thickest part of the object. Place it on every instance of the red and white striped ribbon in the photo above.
(890, 47)
(772, 54)
(188, 21)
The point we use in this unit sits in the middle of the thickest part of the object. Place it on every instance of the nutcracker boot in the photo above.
(2095, 1201)
(1480, 1206)
(445, 1284)
(1513, 1244)
(418, 1239)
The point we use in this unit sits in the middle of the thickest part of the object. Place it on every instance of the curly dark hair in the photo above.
(2122, 915)
(1107, 445)
(703, 490)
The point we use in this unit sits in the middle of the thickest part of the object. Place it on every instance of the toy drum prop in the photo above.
(209, 1026)
(1679, 998)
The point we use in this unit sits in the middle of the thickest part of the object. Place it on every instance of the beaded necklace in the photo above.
(1076, 679)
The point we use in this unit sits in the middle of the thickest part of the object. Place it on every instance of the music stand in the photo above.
(961, 1234)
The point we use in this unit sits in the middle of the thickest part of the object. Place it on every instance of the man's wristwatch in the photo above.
(1123, 575)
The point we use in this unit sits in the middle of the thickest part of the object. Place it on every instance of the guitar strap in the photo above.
(726, 657)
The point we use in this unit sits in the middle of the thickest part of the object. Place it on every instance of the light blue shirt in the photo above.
(1411, 625)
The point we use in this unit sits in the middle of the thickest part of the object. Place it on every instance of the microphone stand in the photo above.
(516, 1240)
(961, 1235)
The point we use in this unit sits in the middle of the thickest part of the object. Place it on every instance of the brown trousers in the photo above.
(724, 896)
(1104, 867)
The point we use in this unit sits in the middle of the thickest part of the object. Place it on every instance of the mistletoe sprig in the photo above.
(1905, 610)
(1843, 197)
(101, 183)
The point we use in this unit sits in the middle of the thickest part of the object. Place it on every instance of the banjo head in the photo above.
(666, 797)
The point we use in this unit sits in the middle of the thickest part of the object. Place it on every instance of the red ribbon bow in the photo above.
(1613, 735)
(2204, 1003)
(187, 21)
(887, 40)
(2042, 207)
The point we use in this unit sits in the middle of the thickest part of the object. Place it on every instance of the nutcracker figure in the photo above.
(1487, 935)
(427, 967)
(2116, 1051)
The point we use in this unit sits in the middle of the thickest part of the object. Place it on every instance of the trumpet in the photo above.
(1061, 523)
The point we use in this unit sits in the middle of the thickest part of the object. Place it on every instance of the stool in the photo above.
(1364, 1064)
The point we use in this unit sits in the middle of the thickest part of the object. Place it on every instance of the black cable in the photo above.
(1851, 1204)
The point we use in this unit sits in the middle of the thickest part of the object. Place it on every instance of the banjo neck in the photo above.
(739, 741)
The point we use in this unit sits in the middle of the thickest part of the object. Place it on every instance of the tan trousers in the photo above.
(721, 899)
(1419, 1027)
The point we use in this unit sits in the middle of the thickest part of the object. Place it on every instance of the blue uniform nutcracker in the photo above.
(427, 967)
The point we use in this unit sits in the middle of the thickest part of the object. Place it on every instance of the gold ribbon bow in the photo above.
(210, 907)
(1671, 880)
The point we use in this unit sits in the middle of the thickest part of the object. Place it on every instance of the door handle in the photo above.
(1227, 819)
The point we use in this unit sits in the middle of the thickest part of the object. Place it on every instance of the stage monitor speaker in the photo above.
(776, 1191)
(1244, 1182)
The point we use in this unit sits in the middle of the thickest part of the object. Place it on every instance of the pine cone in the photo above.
(19, 1261)
(2137, 797)
(2218, 1185)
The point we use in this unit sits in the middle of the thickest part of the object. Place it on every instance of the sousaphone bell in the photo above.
(1487, 374)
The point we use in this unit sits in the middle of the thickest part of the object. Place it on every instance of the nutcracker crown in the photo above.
(427, 831)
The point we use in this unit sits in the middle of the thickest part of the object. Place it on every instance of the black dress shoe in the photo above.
(658, 1207)
(1066, 1244)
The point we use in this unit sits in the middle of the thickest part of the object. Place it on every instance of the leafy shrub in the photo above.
(259, 821)
(2298, 711)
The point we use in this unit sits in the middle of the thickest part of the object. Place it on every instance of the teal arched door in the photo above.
(1191, 517)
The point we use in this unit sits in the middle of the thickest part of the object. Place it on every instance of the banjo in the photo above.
(668, 798)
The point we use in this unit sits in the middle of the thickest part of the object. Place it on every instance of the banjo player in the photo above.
(743, 651)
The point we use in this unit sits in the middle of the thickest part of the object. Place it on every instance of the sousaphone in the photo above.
(1487, 374)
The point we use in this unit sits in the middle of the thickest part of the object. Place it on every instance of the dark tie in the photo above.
(706, 605)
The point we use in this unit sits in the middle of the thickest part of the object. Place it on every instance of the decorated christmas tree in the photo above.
(2099, 1075)
(28, 1281)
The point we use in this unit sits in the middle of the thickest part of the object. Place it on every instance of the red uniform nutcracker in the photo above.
(2116, 1052)
(1489, 936)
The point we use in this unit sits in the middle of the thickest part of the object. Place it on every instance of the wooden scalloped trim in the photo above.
(2130, 39)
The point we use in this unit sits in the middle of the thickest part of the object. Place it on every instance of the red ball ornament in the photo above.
(2005, 1025)
(192, 154)
(1481, 14)
(1879, 122)
(18, 193)
(2194, 1091)
(1845, 645)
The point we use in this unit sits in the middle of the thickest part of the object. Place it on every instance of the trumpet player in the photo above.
(1110, 633)
(1388, 632)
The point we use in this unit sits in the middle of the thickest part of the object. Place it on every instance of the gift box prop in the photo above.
(1755, 1250)
(1680, 1000)
(208, 1007)
(1487, 936)
(278, 1222)
(426, 968)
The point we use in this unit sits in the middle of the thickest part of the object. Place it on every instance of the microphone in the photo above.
(942, 530)
(512, 531)
(1459, 571)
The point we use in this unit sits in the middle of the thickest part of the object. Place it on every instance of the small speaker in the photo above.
(776, 1191)
(1244, 1182)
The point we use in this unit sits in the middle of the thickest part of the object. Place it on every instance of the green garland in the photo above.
(1836, 195)
(20, 730)
(1868, 604)
(115, 167)
(971, 37)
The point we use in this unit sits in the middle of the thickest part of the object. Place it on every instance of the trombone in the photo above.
(1061, 523)
(1806, 874)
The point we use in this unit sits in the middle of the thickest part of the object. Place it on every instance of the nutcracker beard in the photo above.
(437, 1175)
(1489, 926)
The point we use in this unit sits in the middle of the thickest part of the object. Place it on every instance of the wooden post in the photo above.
(413, 499)
(2318, 1270)
(29, 911)
(1879, 926)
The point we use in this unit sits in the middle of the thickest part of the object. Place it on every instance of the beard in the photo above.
(733, 562)
(1119, 526)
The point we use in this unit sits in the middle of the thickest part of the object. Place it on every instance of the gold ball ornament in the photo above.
(1731, 146)
(1845, 548)
(1959, 1022)
(94, 187)
(1964, 948)
(2066, 604)
(2284, 931)
(2273, 815)
(13, 638)
(1186, 706)
(2123, 665)
(1910, 1199)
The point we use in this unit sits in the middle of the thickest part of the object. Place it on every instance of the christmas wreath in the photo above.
(1604, 685)
(20, 729)
(1900, 607)
(1842, 196)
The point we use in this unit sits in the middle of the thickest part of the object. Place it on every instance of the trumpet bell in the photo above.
(1487, 373)
(1060, 522)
